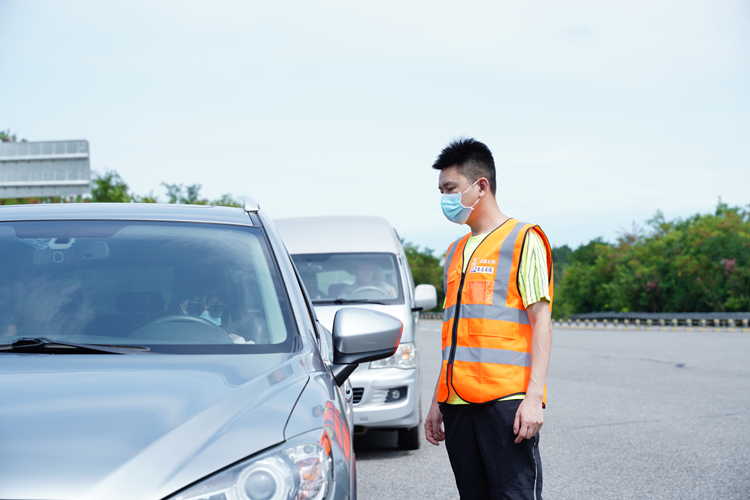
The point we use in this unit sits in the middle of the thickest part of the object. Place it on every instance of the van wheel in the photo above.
(408, 439)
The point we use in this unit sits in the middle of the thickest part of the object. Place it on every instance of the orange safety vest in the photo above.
(486, 330)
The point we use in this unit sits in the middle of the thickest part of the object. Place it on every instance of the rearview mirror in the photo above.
(425, 298)
(361, 335)
(71, 250)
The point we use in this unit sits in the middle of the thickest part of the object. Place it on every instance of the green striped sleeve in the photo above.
(533, 278)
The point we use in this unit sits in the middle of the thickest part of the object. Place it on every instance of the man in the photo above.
(207, 304)
(497, 335)
(368, 276)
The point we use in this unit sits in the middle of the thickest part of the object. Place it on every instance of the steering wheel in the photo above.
(182, 318)
(194, 327)
(370, 288)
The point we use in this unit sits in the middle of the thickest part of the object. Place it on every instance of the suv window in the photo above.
(175, 287)
(350, 277)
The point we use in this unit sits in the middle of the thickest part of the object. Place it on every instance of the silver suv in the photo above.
(168, 351)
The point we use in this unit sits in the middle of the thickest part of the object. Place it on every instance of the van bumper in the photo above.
(374, 410)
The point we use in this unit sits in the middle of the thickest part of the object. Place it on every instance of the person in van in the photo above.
(368, 275)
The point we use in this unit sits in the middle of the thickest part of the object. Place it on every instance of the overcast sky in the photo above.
(598, 113)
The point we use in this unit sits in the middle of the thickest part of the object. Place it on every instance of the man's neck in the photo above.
(487, 220)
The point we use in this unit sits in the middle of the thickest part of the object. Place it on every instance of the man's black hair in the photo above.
(473, 158)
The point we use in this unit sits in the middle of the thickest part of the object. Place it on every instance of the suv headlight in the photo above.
(300, 469)
(405, 357)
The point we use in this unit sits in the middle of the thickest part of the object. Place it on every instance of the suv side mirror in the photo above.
(425, 298)
(361, 335)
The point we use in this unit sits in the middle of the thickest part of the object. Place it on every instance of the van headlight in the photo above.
(405, 357)
(300, 470)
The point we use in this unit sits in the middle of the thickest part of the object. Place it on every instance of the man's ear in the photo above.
(484, 185)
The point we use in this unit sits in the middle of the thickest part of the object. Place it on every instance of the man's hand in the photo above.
(433, 426)
(529, 419)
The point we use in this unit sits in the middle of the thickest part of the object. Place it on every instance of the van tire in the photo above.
(408, 439)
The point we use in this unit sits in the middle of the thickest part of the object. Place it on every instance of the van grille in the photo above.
(358, 392)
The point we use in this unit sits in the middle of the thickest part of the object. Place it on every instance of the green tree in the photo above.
(700, 264)
(561, 256)
(578, 285)
(186, 195)
(190, 195)
(149, 198)
(6, 136)
(425, 269)
(108, 188)
(227, 200)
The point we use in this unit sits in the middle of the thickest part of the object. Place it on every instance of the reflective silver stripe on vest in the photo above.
(446, 266)
(505, 265)
(498, 310)
(449, 313)
(483, 311)
(448, 258)
(485, 355)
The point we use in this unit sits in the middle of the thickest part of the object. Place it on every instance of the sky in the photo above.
(598, 114)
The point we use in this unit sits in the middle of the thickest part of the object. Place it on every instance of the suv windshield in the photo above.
(350, 277)
(174, 287)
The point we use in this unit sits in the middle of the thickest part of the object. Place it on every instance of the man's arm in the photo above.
(529, 417)
(433, 425)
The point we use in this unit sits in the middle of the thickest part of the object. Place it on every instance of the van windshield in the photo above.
(174, 287)
(350, 277)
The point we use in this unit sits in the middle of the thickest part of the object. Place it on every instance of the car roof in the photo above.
(125, 211)
(338, 234)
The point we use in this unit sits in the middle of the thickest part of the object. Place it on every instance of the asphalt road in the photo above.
(630, 414)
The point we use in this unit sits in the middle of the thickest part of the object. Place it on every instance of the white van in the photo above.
(358, 261)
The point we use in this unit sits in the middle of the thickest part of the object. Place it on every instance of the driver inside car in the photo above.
(368, 275)
(207, 305)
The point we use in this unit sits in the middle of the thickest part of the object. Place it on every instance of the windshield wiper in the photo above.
(45, 345)
(349, 301)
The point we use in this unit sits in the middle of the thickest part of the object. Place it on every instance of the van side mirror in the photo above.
(425, 298)
(361, 335)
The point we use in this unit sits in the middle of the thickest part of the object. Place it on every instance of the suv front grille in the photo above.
(358, 392)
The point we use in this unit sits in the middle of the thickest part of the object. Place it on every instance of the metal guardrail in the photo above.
(718, 322)
(664, 321)
(600, 316)
(431, 315)
(716, 319)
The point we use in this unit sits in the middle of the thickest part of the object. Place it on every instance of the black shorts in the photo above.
(485, 460)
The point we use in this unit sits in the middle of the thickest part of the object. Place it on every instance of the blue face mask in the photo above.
(206, 315)
(453, 209)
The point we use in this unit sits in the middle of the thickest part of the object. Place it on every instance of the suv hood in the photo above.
(136, 426)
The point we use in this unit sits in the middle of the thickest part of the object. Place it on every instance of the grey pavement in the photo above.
(386, 472)
(631, 414)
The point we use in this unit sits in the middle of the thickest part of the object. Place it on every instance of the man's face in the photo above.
(450, 181)
(207, 301)
(365, 273)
